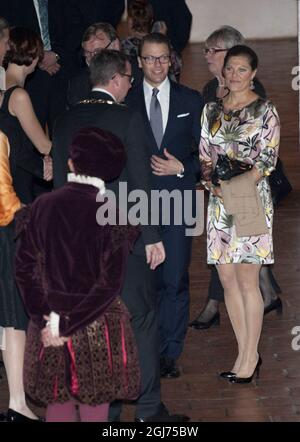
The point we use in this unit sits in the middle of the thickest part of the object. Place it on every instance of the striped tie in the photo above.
(43, 11)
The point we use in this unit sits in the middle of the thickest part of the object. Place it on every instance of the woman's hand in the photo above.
(48, 168)
(256, 174)
(216, 191)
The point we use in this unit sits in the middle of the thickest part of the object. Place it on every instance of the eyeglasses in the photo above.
(92, 53)
(213, 51)
(96, 51)
(131, 78)
(150, 59)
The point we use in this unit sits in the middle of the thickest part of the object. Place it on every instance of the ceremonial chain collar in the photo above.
(100, 101)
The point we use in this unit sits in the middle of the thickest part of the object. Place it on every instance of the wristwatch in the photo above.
(181, 173)
(57, 57)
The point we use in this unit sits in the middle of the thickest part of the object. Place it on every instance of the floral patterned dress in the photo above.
(250, 135)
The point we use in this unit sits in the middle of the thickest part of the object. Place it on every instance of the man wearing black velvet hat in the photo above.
(111, 79)
(74, 299)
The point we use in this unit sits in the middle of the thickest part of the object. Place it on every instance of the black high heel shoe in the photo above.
(227, 375)
(14, 416)
(201, 325)
(274, 305)
(237, 380)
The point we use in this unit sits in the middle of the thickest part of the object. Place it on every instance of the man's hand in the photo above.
(170, 166)
(48, 60)
(52, 70)
(48, 168)
(48, 340)
(155, 254)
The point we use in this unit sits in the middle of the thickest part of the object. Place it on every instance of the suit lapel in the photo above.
(174, 110)
(143, 111)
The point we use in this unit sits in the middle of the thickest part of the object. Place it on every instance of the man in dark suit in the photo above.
(178, 18)
(110, 76)
(171, 114)
(96, 37)
(52, 20)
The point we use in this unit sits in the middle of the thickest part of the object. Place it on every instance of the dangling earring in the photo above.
(252, 85)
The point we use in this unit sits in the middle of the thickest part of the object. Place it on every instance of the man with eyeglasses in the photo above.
(96, 37)
(111, 81)
(171, 114)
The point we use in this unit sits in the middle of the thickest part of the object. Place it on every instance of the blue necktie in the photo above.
(43, 12)
(156, 121)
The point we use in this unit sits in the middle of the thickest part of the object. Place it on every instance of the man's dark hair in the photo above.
(3, 26)
(24, 46)
(105, 65)
(156, 38)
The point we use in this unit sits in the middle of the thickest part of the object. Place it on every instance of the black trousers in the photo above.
(139, 296)
(172, 281)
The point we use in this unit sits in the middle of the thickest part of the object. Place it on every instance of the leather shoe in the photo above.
(163, 415)
(201, 325)
(227, 374)
(276, 304)
(14, 416)
(168, 368)
(2, 417)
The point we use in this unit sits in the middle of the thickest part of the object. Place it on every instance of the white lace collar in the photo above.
(85, 179)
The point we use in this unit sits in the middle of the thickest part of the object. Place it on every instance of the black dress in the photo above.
(12, 311)
(24, 162)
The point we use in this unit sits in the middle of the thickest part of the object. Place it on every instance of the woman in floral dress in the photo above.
(246, 128)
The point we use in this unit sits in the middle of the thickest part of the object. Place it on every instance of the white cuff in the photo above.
(54, 324)
(181, 173)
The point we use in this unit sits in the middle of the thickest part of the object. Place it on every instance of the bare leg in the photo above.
(235, 308)
(13, 358)
(248, 281)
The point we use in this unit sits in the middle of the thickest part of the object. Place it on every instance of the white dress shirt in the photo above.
(163, 97)
(99, 89)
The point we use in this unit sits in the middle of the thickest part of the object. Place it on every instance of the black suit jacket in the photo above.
(86, 12)
(79, 87)
(125, 124)
(23, 13)
(182, 134)
(178, 18)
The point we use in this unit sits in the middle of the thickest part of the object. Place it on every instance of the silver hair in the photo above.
(228, 35)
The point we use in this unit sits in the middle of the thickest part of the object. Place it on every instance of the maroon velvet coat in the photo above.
(69, 264)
